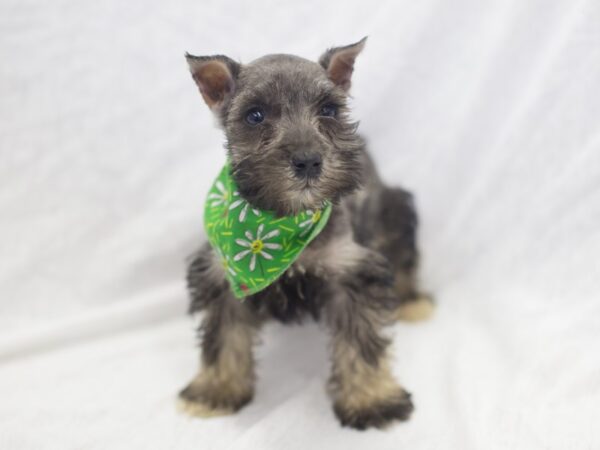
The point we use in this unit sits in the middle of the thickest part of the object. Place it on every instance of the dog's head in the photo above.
(291, 143)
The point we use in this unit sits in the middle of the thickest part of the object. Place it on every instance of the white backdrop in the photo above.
(488, 111)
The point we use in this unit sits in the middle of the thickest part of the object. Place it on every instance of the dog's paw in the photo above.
(197, 408)
(203, 400)
(377, 415)
(417, 309)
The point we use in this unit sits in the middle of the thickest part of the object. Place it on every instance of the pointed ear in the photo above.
(215, 76)
(339, 62)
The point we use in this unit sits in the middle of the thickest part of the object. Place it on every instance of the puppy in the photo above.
(292, 147)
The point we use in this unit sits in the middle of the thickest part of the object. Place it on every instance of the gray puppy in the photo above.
(292, 146)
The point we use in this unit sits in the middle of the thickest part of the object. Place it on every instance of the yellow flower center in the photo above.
(256, 246)
(316, 216)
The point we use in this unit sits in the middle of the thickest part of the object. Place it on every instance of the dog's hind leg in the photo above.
(397, 241)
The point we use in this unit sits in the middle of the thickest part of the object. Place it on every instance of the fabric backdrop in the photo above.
(488, 111)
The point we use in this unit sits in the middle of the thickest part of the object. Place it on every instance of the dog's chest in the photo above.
(294, 296)
(303, 289)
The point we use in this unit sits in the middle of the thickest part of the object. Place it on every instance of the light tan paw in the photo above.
(197, 409)
(207, 396)
(415, 310)
(380, 414)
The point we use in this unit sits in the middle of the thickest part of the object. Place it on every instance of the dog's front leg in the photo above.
(363, 389)
(225, 382)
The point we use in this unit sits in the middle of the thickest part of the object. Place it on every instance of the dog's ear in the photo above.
(339, 62)
(216, 78)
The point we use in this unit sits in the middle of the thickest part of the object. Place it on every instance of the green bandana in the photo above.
(255, 246)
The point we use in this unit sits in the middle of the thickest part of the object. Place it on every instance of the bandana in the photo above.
(255, 246)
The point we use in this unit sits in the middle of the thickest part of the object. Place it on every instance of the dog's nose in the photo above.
(307, 165)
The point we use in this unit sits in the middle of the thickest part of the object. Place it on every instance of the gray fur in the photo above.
(353, 275)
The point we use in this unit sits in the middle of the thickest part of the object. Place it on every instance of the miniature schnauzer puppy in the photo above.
(292, 145)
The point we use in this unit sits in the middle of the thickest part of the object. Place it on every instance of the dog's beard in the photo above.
(307, 195)
(281, 192)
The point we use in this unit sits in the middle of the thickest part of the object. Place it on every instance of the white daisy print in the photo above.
(308, 224)
(256, 245)
(245, 208)
(220, 197)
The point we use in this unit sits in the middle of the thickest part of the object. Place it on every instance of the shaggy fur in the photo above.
(357, 276)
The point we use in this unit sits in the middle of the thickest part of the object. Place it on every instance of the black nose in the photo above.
(307, 165)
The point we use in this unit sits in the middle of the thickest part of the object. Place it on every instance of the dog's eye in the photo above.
(328, 110)
(255, 116)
